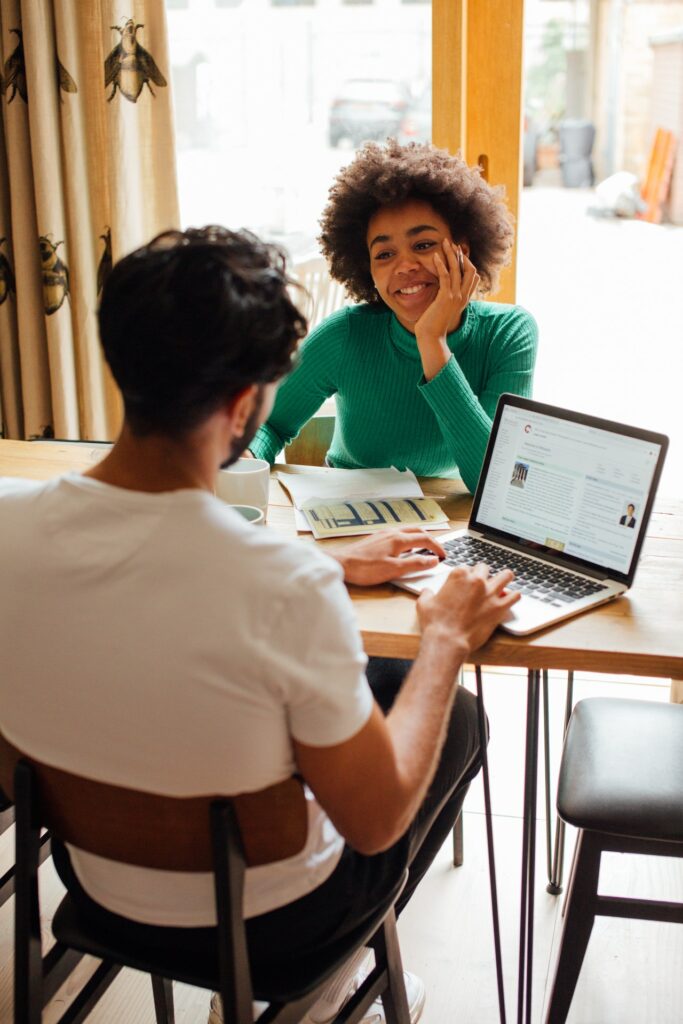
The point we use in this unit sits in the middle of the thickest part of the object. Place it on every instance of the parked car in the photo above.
(416, 126)
(367, 108)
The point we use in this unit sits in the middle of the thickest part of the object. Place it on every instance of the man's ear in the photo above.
(240, 408)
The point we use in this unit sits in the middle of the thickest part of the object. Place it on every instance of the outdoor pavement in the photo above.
(608, 298)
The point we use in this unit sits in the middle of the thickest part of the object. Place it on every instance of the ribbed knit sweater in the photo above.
(387, 413)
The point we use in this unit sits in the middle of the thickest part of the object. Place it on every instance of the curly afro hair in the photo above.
(381, 175)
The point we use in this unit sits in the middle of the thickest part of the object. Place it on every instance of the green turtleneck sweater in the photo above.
(387, 413)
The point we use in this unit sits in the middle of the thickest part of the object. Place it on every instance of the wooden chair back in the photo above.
(321, 295)
(155, 831)
(312, 443)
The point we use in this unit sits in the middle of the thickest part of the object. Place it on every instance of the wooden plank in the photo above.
(658, 178)
(449, 74)
(494, 104)
(477, 94)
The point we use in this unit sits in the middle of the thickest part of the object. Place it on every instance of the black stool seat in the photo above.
(622, 769)
(621, 784)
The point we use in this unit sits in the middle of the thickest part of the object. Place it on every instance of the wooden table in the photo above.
(640, 633)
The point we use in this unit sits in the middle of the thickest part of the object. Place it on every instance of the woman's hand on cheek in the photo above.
(443, 315)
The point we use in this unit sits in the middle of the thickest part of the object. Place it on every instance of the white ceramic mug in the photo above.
(250, 513)
(246, 482)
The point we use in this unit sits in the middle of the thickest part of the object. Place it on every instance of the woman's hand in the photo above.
(458, 280)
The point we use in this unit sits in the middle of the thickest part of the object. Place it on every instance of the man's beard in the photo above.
(240, 444)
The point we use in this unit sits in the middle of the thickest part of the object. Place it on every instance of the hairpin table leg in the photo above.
(483, 740)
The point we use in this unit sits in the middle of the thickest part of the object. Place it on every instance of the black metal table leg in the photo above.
(556, 865)
(526, 934)
(483, 741)
(546, 751)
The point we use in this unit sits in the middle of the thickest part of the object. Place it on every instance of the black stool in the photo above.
(621, 784)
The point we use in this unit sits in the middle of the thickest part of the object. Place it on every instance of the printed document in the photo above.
(346, 502)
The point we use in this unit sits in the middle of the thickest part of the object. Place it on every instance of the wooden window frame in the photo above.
(477, 94)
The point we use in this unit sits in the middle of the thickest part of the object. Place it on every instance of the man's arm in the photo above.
(373, 784)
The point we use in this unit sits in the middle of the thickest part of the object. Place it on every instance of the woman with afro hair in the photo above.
(416, 237)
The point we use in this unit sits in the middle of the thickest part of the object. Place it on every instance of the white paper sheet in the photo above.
(312, 488)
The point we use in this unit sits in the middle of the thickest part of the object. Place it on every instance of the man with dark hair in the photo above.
(629, 518)
(184, 651)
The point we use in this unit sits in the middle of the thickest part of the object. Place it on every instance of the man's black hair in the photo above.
(191, 319)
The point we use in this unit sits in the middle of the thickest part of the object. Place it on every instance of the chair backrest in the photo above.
(162, 832)
(312, 443)
(322, 295)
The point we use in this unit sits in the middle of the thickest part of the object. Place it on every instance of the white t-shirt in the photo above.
(160, 642)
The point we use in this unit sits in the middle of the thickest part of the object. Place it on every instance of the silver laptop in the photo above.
(564, 501)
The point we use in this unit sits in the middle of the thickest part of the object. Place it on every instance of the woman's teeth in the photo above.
(412, 291)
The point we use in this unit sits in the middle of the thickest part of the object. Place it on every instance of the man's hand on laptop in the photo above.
(389, 554)
(467, 608)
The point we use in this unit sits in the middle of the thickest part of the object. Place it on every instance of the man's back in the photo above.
(158, 641)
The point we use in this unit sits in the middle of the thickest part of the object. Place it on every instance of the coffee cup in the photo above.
(246, 482)
(250, 513)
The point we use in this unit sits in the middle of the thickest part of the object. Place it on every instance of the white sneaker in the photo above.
(216, 1009)
(415, 991)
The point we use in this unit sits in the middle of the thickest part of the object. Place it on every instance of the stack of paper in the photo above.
(346, 502)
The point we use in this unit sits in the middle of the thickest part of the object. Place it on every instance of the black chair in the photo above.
(621, 785)
(6, 822)
(197, 834)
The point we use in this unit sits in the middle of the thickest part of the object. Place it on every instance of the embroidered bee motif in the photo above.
(55, 275)
(129, 67)
(7, 284)
(105, 264)
(65, 82)
(14, 72)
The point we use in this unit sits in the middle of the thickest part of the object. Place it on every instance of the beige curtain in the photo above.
(87, 173)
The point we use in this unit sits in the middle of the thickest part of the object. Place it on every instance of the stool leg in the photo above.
(163, 1000)
(555, 858)
(578, 925)
(458, 843)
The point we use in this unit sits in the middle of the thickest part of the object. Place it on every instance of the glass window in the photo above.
(272, 99)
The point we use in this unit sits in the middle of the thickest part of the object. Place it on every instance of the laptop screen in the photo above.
(569, 484)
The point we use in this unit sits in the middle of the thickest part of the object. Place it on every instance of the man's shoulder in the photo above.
(266, 557)
(18, 494)
(17, 487)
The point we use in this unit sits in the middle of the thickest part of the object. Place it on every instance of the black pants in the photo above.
(358, 882)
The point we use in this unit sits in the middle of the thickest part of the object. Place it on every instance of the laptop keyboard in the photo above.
(539, 580)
